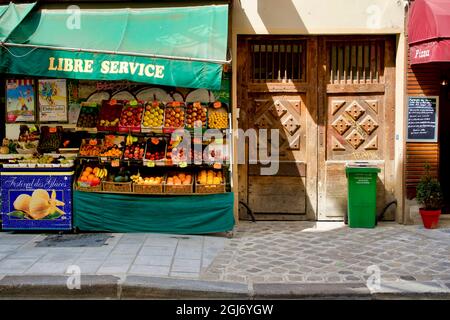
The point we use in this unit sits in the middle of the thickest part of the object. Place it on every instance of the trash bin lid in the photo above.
(361, 167)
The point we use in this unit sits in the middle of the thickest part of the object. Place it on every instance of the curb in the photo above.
(311, 291)
(142, 287)
(92, 286)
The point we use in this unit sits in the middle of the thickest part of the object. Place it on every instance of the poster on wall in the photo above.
(53, 100)
(20, 101)
(422, 119)
(36, 201)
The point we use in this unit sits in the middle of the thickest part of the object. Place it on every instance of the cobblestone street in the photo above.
(332, 252)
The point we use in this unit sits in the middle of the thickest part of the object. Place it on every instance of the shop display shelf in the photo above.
(110, 111)
(134, 110)
(218, 109)
(150, 129)
(177, 108)
(192, 127)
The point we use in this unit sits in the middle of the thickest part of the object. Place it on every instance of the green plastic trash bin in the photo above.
(362, 195)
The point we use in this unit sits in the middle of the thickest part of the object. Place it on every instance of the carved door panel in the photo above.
(285, 191)
(356, 118)
(354, 132)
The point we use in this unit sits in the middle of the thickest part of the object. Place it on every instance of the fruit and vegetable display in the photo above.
(50, 139)
(217, 119)
(134, 151)
(88, 116)
(124, 175)
(109, 115)
(131, 118)
(209, 177)
(90, 148)
(40, 205)
(195, 115)
(155, 149)
(153, 115)
(179, 179)
(174, 116)
(148, 180)
(142, 157)
(112, 152)
(92, 176)
(112, 147)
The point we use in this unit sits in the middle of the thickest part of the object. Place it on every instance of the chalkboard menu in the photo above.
(422, 119)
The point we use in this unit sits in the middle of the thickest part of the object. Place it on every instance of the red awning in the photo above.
(429, 31)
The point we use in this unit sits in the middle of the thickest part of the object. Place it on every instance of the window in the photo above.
(354, 62)
(278, 61)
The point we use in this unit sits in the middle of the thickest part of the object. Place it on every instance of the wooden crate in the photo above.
(210, 188)
(84, 186)
(148, 189)
(179, 188)
(110, 186)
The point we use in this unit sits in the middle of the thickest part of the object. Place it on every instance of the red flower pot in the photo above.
(430, 218)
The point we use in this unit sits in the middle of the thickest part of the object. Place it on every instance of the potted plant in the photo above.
(429, 194)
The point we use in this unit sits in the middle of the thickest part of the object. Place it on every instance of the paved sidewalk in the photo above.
(262, 260)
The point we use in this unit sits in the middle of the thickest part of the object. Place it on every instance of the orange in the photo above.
(85, 174)
(88, 169)
(83, 179)
(91, 177)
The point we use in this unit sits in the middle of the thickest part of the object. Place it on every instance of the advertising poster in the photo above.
(53, 100)
(36, 200)
(20, 101)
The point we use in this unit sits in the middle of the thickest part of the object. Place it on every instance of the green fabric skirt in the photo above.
(196, 214)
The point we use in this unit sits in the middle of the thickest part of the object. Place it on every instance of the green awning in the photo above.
(11, 16)
(178, 46)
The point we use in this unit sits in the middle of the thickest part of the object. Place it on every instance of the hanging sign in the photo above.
(422, 119)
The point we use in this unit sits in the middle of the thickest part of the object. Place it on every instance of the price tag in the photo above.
(150, 164)
(52, 130)
(217, 104)
(133, 103)
(113, 101)
(103, 159)
(115, 163)
(197, 104)
(217, 165)
(182, 164)
(176, 104)
(155, 103)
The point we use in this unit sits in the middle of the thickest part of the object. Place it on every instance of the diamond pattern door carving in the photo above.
(283, 113)
(354, 128)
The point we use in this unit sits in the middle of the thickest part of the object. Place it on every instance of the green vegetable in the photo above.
(17, 214)
(52, 216)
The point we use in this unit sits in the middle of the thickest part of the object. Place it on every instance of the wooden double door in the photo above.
(331, 99)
